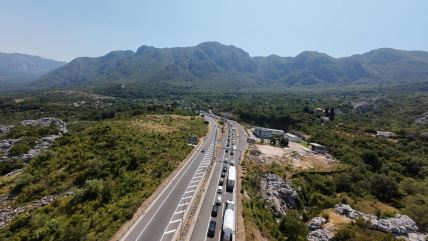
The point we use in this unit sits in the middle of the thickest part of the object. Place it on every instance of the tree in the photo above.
(283, 141)
(370, 158)
(384, 187)
(331, 113)
(273, 141)
(293, 227)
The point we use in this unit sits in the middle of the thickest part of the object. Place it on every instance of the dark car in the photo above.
(224, 169)
(211, 228)
(203, 150)
(214, 211)
(223, 174)
(221, 182)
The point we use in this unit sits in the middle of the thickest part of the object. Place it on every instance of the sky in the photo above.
(64, 30)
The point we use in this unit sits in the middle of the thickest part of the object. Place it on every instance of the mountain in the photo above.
(214, 66)
(18, 69)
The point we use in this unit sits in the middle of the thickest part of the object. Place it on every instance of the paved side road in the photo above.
(164, 215)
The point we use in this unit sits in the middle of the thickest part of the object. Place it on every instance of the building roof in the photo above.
(291, 135)
(316, 144)
(267, 129)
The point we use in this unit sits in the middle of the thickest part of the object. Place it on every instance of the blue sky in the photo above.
(64, 30)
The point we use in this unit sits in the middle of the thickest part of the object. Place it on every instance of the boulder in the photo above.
(320, 235)
(316, 223)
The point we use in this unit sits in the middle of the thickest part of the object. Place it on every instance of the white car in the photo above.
(220, 190)
(232, 163)
(218, 200)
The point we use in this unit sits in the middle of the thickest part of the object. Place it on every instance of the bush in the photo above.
(384, 187)
(293, 227)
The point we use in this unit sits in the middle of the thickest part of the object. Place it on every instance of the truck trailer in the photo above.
(231, 177)
(228, 225)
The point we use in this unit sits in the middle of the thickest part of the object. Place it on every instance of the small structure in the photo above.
(385, 134)
(318, 148)
(319, 111)
(266, 133)
(293, 138)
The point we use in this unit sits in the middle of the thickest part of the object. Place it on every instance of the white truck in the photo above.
(228, 225)
(231, 177)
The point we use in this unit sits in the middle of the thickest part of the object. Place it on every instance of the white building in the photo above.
(266, 133)
(293, 138)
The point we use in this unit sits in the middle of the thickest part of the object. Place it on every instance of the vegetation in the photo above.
(390, 171)
(111, 166)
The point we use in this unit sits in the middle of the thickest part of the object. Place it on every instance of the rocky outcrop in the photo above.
(423, 119)
(317, 231)
(5, 145)
(316, 223)
(8, 213)
(399, 225)
(47, 121)
(5, 129)
(41, 144)
(279, 194)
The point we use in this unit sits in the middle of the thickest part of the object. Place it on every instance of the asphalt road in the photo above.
(164, 215)
(201, 226)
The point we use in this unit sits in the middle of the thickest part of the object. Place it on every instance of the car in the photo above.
(225, 160)
(231, 153)
(219, 189)
(232, 163)
(227, 150)
(214, 211)
(218, 200)
(223, 174)
(225, 169)
(203, 150)
(211, 228)
(221, 182)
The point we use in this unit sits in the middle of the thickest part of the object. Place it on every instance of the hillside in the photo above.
(21, 68)
(214, 66)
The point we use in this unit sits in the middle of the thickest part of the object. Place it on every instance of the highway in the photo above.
(201, 226)
(162, 218)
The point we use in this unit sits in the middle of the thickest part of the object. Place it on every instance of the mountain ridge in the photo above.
(209, 64)
(17, 68)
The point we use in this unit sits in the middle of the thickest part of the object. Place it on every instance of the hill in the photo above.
(214, 66)
(18, 68)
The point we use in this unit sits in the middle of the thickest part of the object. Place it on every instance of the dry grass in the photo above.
(335, 221)
(160, 123)
(373, 207)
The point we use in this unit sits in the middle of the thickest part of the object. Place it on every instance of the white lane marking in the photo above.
(179, 212)
(184, 198)
(170, 231)
(199, 178)
(166, 198)
(182, 204)
(190, 191)
(177, 220)
(192, 185)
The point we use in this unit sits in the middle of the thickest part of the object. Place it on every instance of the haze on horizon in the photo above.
(66, 30)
